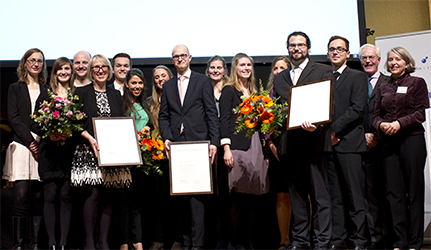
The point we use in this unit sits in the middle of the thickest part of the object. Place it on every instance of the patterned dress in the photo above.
(85, 169)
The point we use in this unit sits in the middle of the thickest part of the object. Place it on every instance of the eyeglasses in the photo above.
(34, 61)
(182, 56)
(299, 45)
(97, 68)
(365, 58)
(339, 50)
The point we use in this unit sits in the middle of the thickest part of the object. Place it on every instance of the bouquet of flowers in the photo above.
(60, 116)
(152, 152)
(260, 113)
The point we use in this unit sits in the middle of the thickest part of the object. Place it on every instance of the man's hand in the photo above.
(308, 126)
(371, 140)
(334, 139)
(167, 148)
(213, 152)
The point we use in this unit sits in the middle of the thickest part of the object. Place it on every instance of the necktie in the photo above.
(296, 74)
(370, 88)
(336, 76)
(181, 89)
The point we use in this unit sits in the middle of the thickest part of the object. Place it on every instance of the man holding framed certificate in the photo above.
(303, 151)
(188, 113)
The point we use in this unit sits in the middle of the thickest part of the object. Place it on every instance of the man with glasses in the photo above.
(80, 64)
(121, 63)
(304, 152)
(345, 175)
(188, 113)
(373, 160)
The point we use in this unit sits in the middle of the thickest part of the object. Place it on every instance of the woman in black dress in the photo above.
(55, 161)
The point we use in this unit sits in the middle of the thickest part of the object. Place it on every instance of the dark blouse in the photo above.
(408, 108)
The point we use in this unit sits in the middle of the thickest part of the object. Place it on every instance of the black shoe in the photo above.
(303, 247)
(358, 247)
(376, 245)
(334, 247)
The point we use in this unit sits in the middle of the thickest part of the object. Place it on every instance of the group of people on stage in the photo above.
(355, 182)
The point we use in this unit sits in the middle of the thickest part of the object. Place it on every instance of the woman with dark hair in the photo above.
(217, 70)
(244, 156)
(134, 105)
(398, 116)
(99, 101)
(55, 161)
(21, 166)
(278, 172)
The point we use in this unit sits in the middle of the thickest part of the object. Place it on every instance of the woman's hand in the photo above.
(34, 147)
(228, 157)
(92, 141)
(58, 136)
(390, 128)
(274, 150)
(308, 126)
(145, 129)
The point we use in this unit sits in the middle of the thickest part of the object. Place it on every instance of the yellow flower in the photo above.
(250, 124)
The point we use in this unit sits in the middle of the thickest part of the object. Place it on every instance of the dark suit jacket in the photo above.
(229, 99)
(369, 107)
(88, 98)
(349, 99)
(299, 140)
(19, 111)
(198, 113)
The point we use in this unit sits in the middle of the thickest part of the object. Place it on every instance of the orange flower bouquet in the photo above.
(260, 113)
(152, 149)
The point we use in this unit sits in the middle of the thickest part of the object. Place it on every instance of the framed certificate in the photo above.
(190, 168)
(117, 141)
(310, 102)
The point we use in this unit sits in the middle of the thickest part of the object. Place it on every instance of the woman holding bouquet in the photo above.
(55, 161)
(99, 101)
(21, 166)
(277, 172)
(134, 105)
(248, 168)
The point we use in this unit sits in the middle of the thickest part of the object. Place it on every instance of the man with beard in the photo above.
(345, 175)
(80, 63)
(121, 63)
(304, 152)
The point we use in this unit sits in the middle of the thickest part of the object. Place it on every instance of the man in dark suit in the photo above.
(373, 160)
(304, 152)
(188, 113)
(345, 175)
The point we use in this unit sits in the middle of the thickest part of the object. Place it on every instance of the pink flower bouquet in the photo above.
(59, 117)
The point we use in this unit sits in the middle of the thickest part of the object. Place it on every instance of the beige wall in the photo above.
(388, 17)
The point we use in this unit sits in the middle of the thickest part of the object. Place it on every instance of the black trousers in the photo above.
(308, 181)
(347, 185)
(404, 169)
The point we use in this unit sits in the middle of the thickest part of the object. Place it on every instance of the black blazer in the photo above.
(19, 111)
(88, 98)
(229, 99)
(198, 113)
(369, 107)
(300, 140)
(349, 99)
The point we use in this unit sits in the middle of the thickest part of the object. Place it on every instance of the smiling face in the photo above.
(99, 71)
(216, 70)
(181, 59)
(34, 64)
(370, 61)
(80, 64)
(279, 66)
(338, 53)
(298, 49)
(121, 66)
(160, 77)
(64, 73)
(135, 86)
(244, 68)
(396, 65)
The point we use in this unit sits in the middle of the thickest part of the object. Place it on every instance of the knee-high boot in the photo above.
(35, 223)
(18, 227)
